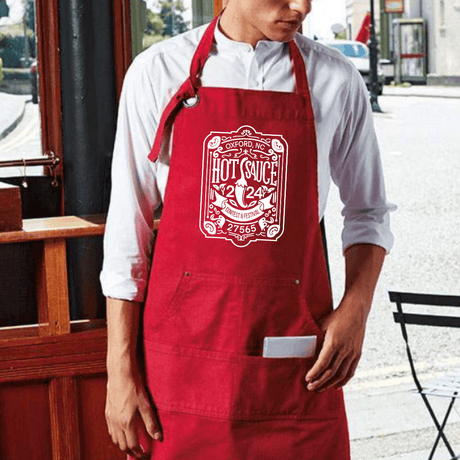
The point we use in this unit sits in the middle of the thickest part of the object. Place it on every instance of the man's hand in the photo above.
(339, 356)
(130, 416)
(129, 413)
(345, 327)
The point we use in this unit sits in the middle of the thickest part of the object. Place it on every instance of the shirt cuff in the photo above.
(367, 229)
(119, 287)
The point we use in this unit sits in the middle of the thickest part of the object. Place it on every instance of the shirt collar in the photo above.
(263, 46)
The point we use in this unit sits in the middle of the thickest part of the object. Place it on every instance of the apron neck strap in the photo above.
(190, 87)
(300, 71)
(202, 52)
(204, 49)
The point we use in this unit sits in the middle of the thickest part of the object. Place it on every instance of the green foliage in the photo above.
(30, 14)
(154, 29)
(155, 24)
(159, 26)
(341, 35)
(4, 9)
(12, 49)
(174, 23)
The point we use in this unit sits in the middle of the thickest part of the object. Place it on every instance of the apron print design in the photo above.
(243, 188)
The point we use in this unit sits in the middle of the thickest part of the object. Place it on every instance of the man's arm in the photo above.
(345, 326)
(128, 408)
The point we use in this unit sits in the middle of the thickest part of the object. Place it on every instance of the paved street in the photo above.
(420, 144)
(23, 141)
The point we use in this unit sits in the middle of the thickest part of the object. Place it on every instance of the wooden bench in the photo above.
(53, 374)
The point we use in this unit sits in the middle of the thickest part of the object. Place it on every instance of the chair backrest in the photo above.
(401, 298)
(403, 318)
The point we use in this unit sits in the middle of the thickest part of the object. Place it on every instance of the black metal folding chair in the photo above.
(447, 386)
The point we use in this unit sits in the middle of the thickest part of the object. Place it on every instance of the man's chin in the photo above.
(283, 33)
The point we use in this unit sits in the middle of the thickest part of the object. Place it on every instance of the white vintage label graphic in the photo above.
(243, 186)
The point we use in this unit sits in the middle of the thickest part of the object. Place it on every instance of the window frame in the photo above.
(49, 74)
(122, 35)
(49, 70)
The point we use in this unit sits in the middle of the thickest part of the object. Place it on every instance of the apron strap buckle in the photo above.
(187, 92)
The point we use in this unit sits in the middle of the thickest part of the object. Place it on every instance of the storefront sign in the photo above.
(394, 6)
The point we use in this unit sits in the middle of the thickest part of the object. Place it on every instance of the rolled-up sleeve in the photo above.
(134, 196)
(356, 169)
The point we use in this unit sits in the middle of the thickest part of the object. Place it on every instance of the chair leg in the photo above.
(440, 427)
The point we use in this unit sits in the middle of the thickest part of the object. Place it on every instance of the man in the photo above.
(260, 122)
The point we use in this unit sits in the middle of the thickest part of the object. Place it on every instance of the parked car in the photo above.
(358, 53)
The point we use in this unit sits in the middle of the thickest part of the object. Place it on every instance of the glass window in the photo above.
(153, 21)
(20, 136)
(156, 20)
(203, 11)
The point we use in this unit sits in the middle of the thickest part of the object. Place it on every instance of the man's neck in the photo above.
(236, 28)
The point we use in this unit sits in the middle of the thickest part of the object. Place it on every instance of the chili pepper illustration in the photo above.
(240, 186)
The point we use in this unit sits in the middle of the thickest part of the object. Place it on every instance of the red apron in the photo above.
(239, 257)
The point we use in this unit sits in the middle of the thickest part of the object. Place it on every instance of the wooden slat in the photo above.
(30, 348)
(15, 332)
(56, 227)
(32, 330)
(52, 289)
(64, 419)
(49, 368)
(59, 227)
(45, 358)
(33, 355)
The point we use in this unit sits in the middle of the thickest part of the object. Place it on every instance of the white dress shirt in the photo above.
(347, 145)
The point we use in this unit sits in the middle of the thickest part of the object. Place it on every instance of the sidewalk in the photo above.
(12, 109)
(423, 91)
(394, 424)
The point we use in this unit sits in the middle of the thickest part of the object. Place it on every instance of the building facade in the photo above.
(356, 11)
(443, 36)
(442, 33)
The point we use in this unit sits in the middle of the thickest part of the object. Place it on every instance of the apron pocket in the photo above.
(233, 387)
(265, 388)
